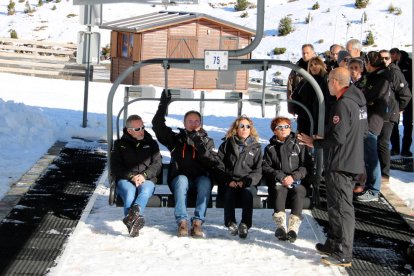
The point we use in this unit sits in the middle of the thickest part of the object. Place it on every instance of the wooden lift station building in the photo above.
(176, 35)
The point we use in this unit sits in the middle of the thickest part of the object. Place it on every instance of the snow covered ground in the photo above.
(35, 112)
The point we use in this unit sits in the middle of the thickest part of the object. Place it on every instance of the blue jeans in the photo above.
(181, 186)
(372, 163)
(132, 195)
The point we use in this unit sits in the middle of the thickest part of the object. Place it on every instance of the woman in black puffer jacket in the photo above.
(286, 163)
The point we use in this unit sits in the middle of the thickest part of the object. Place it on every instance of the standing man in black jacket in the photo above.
(192, 159)
(403, 61)
(400, 96)
(377, 95)
(344, 143)
(135, 164)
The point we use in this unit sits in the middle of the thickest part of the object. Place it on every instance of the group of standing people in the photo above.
(373, 89)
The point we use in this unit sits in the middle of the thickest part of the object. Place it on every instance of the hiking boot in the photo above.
(131, 218)
(367, 196)
(233, 230)
(293, 228)
(324, 249)
(196, 231)
(243, 230)
(280, 220)
(137, 225)
(336, 261)
(182, 228)
(406, 154)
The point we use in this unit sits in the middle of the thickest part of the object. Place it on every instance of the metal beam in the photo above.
(93, 2)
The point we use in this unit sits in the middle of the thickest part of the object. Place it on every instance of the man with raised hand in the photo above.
(192, 159)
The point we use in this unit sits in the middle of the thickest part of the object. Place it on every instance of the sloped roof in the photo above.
(165, 18)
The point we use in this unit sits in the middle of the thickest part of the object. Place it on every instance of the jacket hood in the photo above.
(354, 94)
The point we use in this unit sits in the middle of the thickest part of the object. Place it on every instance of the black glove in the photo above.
(197, 140)
(165, 97)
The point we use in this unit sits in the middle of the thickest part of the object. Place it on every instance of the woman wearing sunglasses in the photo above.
(285, 165)
(241, 155)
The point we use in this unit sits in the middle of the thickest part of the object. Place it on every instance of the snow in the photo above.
(36, 112)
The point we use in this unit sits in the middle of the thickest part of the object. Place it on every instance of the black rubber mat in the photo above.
(381, 238)
(33, 234)
(402, 164)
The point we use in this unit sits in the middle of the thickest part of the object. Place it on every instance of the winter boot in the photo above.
(243, 230)
(196, 231)
(134, 221)
(293, 228)
(233, 230)
(280, 220)
(182, 228)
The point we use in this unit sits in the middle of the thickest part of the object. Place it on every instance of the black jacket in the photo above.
(305, 94)
(293, 80)
(377, 93)
(130, 157)
(344, 138)
(400, 93)
(241, 165)
(192, 153)
(286, 158)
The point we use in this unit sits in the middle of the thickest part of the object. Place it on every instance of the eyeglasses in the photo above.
(385, 58)
(282, 127)
(137, 128)
(244, 126)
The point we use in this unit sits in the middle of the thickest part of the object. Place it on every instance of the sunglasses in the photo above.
(282, 127)
(244, 126)
(137, 128)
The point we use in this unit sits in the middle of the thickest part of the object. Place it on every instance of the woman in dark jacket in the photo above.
(135, 164)
(241, 155)
(305, 94)
(285, 164)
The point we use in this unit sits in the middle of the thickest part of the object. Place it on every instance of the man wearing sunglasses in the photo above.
(344, 141)
(400, 96)
(135, 163)
(192, 159)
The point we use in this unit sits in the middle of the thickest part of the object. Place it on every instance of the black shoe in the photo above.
(232, 226)
(292, 236)
(323, 249)
(406, 154)
(243, 230)
(394, 153)
(280, 233)
(336, 261)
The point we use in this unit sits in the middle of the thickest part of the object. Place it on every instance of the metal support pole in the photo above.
(87, 70)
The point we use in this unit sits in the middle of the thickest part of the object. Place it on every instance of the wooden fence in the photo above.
(40, 58)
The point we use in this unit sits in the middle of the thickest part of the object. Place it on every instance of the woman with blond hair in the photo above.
(306, 95)
(241, 157)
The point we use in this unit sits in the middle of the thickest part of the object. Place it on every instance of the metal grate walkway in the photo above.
(381, 239)
(33, 233)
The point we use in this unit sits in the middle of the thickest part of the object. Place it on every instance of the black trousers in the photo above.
(407, 133)
(341, 214)
(245, 197)
(295, 195)
(383, 148)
